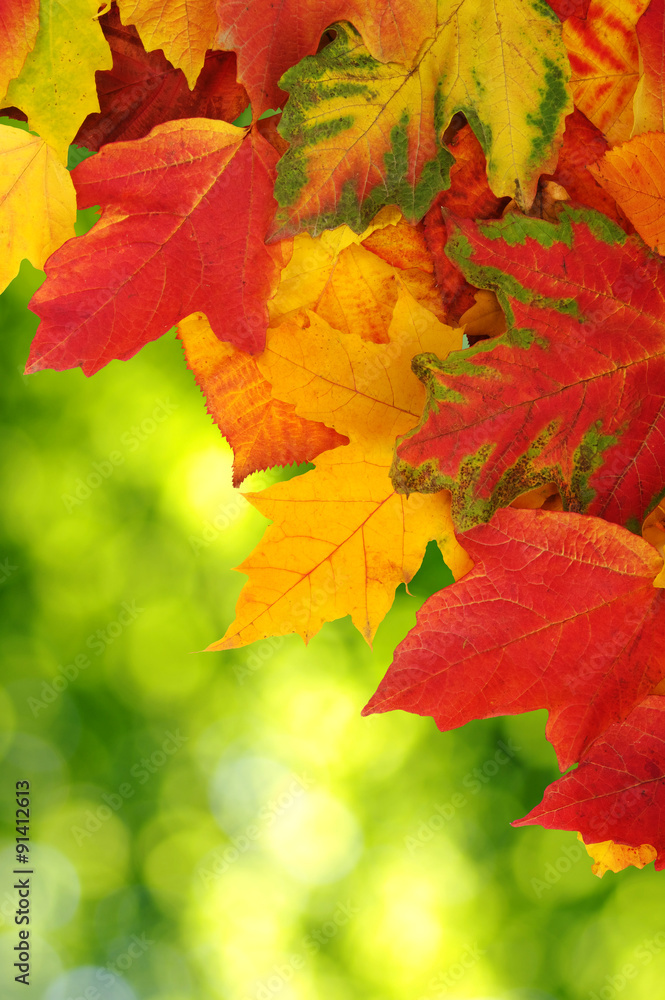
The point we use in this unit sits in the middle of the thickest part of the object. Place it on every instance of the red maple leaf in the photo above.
(143, 89)
(618, 791)
(586, 325)
(559, 612)
(184, 214)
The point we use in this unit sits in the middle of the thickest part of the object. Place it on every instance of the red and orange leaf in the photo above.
(634, 174)
(262, 431)
(586, 324)
(604, 57)
(649, 102)
(184, 213)
(183, 29)
(559, 612)
(143, 89)
(19, 24)
(584, 144)
(269, 40)
(618, 791)
(468, 197)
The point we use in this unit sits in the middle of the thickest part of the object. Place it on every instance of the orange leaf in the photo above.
(183, 29)
(262, 431)
(634, 175)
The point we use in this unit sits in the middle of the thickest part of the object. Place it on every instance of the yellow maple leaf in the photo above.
(31, 175)
(183, 29)
(364, 390)
(342, 540)
(56, 88)
(612, 857)
(350, 280)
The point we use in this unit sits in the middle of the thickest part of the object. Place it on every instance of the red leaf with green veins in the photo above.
(184, 214)
(618, 791)
(573, 393)
(559, 612)
(143, 89)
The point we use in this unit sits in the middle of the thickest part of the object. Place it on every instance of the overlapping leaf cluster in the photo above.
(437, 170)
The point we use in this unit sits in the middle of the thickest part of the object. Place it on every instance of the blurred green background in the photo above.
(209, 826)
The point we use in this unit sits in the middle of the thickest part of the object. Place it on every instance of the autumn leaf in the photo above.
(184, 212)
(604, 58)
(649, 101)
(263, 432)
(31, 175)
(341, 542)
(361, 389)
(583, 145)
(569, 8)
(634, 174)
(19, 23)
(183, 29)
(559, 612)
(618, 790)
(342, 539)
(585, 310)
(611, 857)
(56, 88)
(468, 197)
(269, 40)
(351, 281)
(505, 66)
(143, 90)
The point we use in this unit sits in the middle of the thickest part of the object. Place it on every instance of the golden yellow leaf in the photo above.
(349, 279)
(340, 543)
(56, 88)
(37, 202)
(342, 540)
(612, 857)
(364, 390)
(183, 29)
